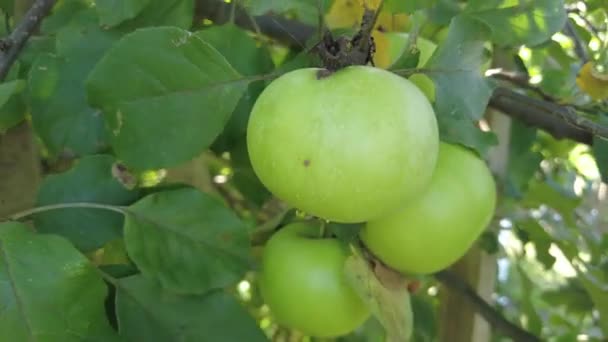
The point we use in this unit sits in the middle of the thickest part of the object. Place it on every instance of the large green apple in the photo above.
(436, 229)
(398, 42)
(348, 147)
(304, 284)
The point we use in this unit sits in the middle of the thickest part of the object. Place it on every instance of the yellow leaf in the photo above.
(348, 14)
(344, 13)
(382, 57)
(392, 22)
(590, 84)
(371, 4)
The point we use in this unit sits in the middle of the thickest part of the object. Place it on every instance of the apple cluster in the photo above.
(359, 146)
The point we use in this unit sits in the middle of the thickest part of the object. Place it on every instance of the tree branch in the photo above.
(17, 39)
(484, 309)
(522, 81)
(588, 24)
(560, 121)
(289, 32)
(579, 47)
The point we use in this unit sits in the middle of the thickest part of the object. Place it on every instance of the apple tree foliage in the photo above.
(150, 220)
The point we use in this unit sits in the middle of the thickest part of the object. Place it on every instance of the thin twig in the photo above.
(17, 39)
(491, 315)
(523, 81)
(579, 47)
(594, 30)
(560, 121)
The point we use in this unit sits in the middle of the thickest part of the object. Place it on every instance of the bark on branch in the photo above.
(560, 121)
(14, 43)
(289, 32)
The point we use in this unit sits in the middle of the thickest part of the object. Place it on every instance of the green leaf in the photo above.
(541, 239)
(593, 5)
(33, 49)
(600, 151)
(304, 10)
(561, 83)
(425, 318)
(248, 58)
(175, 13)
(514, 22)
(572, 296)
(114, 12)
(245, 179)
(488, 242)
(8, 89)
(166, 94)
(7, 6)
(187, 240)
(543, 193)
(410, 58)
(462, 93)
(65, 13)
(260, 7)
(148, 313)
(60, 113)
(456, 64)
(462, 130)
(90, 180)
(239, 48)
(534, 322)
(409, 6)
(48, 291)
(388, 302)
(595, 281)
(444, 11)
(523, 163)
(10, 112)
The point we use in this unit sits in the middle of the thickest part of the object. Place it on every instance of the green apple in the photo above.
(304, 284)
(348, 147)
(434, 231)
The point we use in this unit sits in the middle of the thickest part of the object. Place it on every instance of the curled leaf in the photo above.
(386, 294)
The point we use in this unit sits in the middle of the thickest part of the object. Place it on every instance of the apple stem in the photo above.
(340, 52)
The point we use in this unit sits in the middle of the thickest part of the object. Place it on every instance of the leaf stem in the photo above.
(33, 211)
